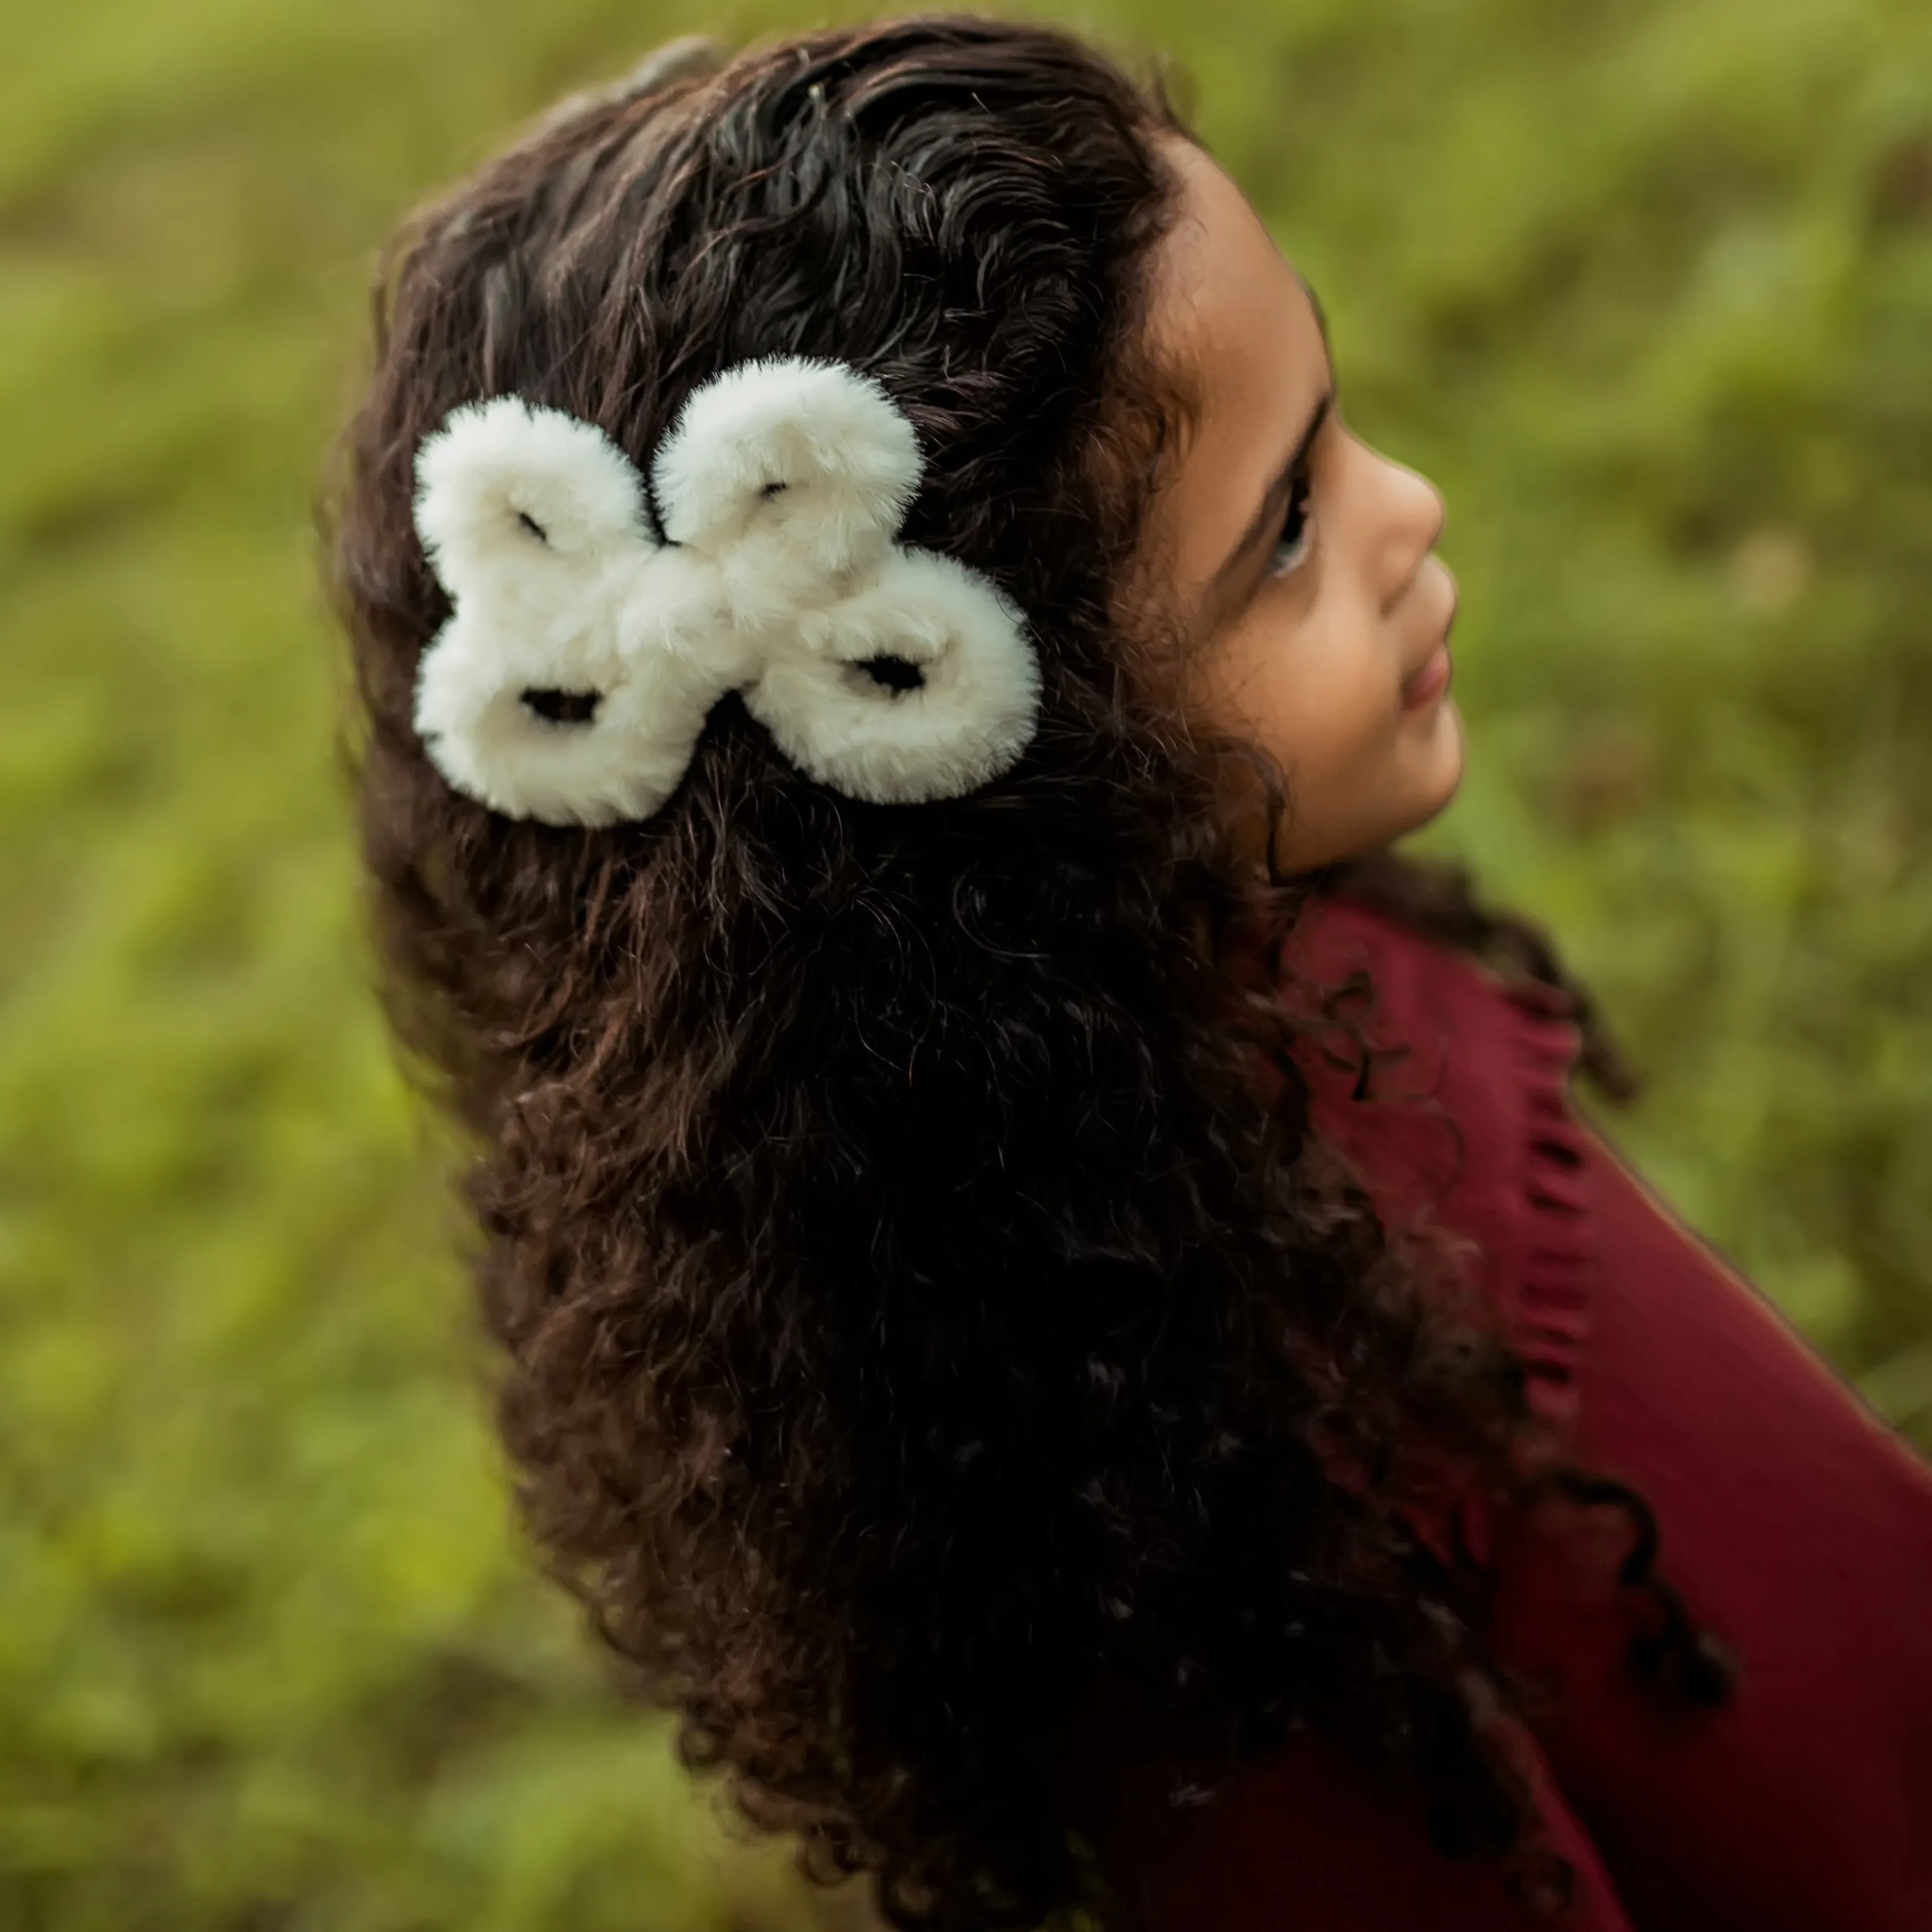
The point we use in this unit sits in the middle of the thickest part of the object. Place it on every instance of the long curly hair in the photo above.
(920, 1323)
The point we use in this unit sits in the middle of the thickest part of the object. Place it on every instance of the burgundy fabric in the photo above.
(1796, 1525)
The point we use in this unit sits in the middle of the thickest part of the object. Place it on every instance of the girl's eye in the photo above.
(1297, 529)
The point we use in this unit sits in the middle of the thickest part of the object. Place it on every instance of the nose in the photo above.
(1416, 516)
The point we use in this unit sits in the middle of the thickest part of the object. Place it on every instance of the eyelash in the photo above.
(1300, 517)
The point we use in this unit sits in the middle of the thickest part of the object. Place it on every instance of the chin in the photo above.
(1427, 774)
(1442, 774)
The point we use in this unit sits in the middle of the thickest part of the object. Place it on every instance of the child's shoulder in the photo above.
(1447, 1088)
(1438, 1024)
(1415, 974)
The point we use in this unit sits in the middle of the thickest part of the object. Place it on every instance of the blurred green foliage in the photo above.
(1647, 287)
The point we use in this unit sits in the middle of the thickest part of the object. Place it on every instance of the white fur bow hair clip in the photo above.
(582, 656)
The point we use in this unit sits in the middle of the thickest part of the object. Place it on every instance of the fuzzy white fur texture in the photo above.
(782, 488)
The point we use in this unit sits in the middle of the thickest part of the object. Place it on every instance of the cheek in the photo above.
(1319, 690)
(1325, 699)
(1329, 701)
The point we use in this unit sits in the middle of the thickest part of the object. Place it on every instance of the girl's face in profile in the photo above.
(1301, 563)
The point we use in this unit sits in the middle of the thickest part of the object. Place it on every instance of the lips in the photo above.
(1430, 679)
(1425, 685)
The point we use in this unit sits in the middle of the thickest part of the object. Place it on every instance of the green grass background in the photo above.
(1647, 287)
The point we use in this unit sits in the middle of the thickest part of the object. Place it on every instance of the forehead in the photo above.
(1233, 321)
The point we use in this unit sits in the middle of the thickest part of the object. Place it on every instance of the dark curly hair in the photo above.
(922, 1327)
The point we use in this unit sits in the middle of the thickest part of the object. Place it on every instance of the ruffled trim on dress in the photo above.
(1556, 1248)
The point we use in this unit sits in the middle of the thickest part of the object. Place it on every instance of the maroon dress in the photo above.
(1795, 1525)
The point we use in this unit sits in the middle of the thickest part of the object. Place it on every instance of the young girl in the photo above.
(1056, 1307)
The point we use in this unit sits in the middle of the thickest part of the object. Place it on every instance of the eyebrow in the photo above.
(1268, 511)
